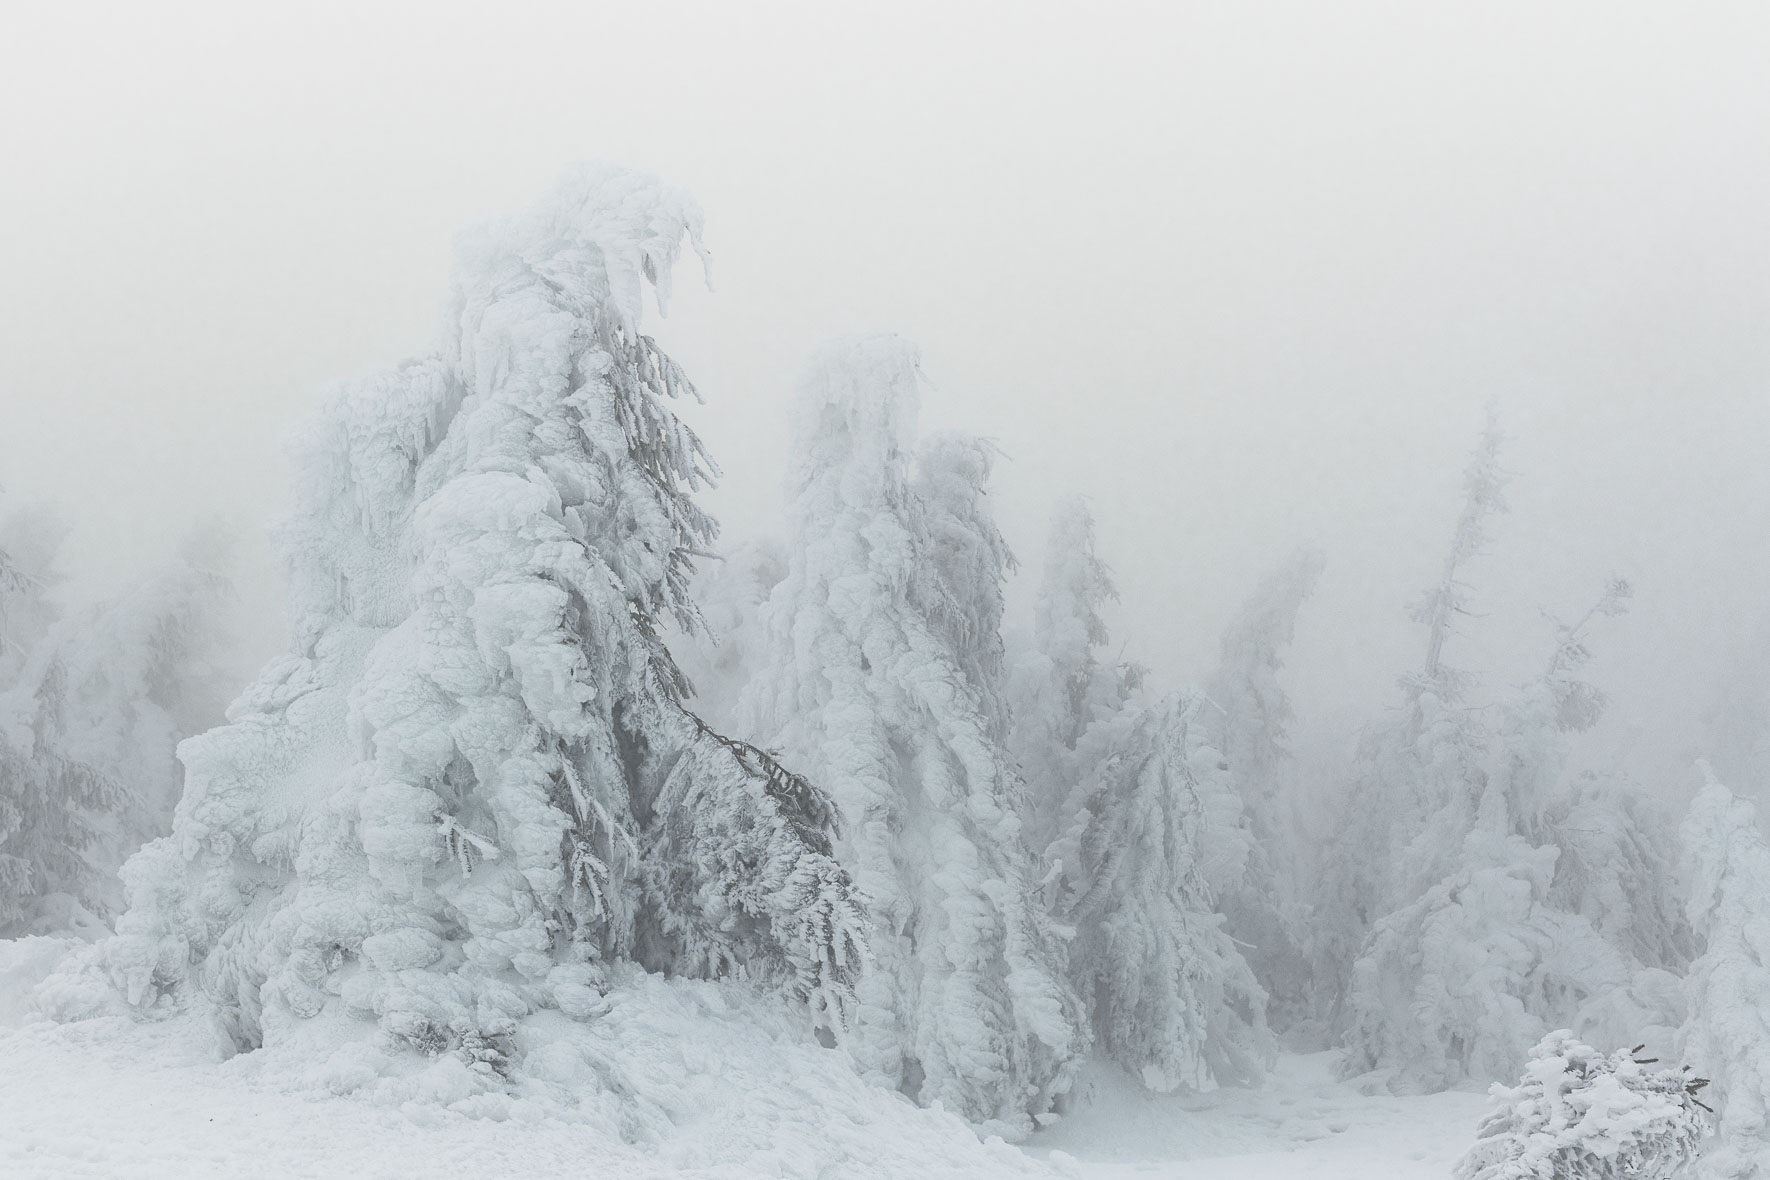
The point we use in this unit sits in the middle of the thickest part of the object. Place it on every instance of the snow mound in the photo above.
(669, 1077)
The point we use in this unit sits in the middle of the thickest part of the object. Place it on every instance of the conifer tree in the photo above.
(474, 782)
(1419, 774)
(1264, 898)
(1172, 998)
(1141, 827)
(1727, 868)
(883, 683)
(1518, 938)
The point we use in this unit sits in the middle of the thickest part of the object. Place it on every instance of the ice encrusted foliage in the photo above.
(1578, 1114)
(474, 781)
(884, 642)
(1727, 871)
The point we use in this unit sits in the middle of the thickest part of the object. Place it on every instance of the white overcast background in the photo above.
(1243, 273)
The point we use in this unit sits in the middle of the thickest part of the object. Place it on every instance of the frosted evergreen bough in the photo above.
(473, 783)
(1727, 869)
(1578, 1114)
(883, 682)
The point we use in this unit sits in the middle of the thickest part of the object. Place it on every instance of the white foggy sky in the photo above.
(1244, 273)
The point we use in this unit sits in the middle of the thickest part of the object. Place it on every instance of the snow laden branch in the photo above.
(474, 785)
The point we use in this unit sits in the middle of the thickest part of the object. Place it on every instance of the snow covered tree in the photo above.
(474, 782)
(1727, 869)
(1140, 826)
(1578, 1114)
(30, 539)
(1058, 686)
(883, 685)
(1517, 938)
(51, 802)
(141, 675)
(1419, 774)
(1172, 998)
(1264, 899)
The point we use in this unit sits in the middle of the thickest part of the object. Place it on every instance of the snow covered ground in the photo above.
(677, 1079)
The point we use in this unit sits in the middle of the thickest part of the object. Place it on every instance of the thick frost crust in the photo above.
(474, 783)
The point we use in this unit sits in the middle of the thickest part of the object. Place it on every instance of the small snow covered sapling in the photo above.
(1578, 1114)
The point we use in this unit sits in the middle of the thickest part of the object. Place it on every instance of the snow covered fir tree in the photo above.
(561, 806)
(884, 681)
(474, 785)
(1142, 831)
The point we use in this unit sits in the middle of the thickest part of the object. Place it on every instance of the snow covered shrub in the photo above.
(883, 684)
(1460, 982)
(474, 781)
(1578, 1114)
(1727, 870)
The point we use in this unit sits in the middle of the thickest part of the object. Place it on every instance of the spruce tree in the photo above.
(474, 782)
(883, 683)
(1266, 897)
(1141, 828)
(1727, 1037)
